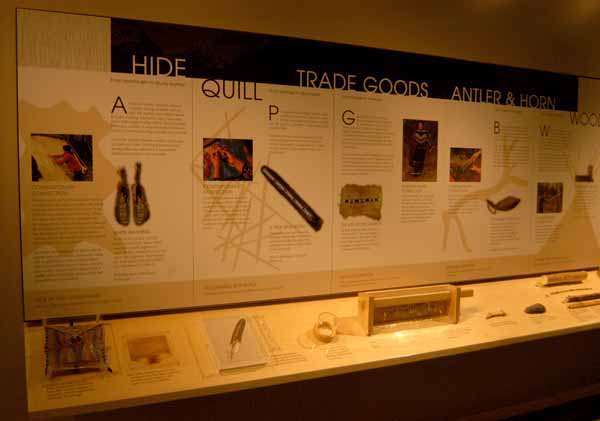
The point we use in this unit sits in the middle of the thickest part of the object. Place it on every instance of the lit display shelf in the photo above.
(187, 365)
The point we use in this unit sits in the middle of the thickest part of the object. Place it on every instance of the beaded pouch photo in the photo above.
(75, 349)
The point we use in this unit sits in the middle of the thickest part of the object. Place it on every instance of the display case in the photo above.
(226, 210)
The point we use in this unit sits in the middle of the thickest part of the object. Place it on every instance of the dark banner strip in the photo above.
(177, 50)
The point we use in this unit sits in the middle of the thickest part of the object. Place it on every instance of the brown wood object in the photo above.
(397, 309)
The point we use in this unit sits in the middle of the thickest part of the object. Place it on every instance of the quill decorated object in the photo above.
(303, 208)
(75, 349)
(236, 337)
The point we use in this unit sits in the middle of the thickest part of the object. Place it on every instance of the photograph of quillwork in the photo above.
(61, 157)
(227, 159)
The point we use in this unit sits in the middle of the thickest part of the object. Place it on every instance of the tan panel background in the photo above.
(47, 37)
(554, 35)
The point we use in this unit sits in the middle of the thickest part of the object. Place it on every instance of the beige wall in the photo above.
(556, 35)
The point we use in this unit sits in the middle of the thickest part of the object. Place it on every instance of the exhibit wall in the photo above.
(502, 32)
(169, 166)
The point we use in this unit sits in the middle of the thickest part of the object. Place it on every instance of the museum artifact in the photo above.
(492, 314)
(583, 297)
(292, 197)
(141, 210)
(504, 205)
(584, 300)
(150, 351)
(567, 290)
(325, 328)
(122, 199)
(74, 349)
(359, 200)
(236, 337)
(234, 342)
(389, 310)
(579, 304)
(535, 309)
(562, 278)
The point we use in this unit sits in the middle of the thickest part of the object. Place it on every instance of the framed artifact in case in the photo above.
(389, 310)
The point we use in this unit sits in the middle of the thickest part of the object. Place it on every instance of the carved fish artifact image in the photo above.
(504, 205)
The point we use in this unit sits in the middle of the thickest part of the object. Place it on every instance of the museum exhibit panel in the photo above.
(207, 210)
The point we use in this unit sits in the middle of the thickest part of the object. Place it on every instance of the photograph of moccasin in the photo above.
(134, 202)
